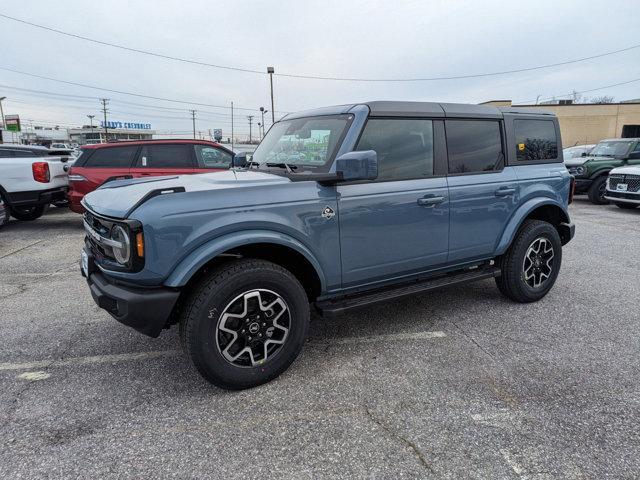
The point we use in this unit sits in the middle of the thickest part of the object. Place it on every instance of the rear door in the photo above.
(483, 192)
(164, 159)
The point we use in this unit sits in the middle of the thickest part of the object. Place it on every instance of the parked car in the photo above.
(339, 208)
(623, 187)
(591, 171)
(30, 179)
(58, 146)
(577, 151)
(106, 162)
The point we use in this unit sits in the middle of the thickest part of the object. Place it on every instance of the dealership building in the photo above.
(587, 123)
(115, 131)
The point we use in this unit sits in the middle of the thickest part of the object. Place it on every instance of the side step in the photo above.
(338, 306)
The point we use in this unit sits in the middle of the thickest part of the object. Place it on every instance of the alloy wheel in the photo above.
(253, 328)
(538, 262)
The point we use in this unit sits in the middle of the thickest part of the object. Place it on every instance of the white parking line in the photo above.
(515, 466)
(127, 357)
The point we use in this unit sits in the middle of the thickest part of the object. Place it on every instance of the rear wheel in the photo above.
(597, 191)
(4, 211)
(626, 206)
(532, 263)
(28, 213)
(245, 323)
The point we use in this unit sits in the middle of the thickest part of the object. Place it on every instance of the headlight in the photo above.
(122, 254)
(577, 170)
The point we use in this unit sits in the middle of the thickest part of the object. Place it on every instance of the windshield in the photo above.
(302, 143)
(610, 149)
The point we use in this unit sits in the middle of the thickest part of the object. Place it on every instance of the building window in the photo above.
(535, 140)
(474, 146)
(631, 131)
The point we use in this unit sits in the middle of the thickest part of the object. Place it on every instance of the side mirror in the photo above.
(634, 156)
(362, 165)
(239, 160)
(583, 154)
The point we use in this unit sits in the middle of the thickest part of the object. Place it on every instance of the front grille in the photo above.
(102, 227)
(632, 182)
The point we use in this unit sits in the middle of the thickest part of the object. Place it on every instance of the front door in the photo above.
(397, 225)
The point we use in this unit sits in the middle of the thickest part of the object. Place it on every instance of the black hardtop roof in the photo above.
(385, 108)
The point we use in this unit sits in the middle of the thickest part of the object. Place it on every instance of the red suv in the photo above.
(104, 162)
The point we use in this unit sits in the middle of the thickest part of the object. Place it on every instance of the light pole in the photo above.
(91, 117)
(271, 71)
(262, 112)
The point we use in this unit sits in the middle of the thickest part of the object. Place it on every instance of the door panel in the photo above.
(481, 206)
(392, 229)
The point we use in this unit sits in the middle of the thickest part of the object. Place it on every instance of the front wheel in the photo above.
(245, 324)
(626, 206)
(531, 265)
(28, 213)
(597, 191)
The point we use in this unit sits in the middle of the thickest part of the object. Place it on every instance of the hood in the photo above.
(575, 162)
(118, 199)
(629, 170)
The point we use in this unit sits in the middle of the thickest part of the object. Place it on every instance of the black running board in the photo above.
(332, 307)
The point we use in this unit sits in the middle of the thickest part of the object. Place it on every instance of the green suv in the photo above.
(591, 171)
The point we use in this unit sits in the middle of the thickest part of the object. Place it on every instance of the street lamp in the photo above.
(91, 117)
(271, 71)
(262, 112)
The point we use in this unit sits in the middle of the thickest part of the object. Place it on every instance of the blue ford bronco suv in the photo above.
(338, 208)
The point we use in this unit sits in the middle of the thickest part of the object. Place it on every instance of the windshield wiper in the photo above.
(289, 168)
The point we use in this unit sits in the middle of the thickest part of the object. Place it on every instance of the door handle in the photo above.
(430, 201)
(505, 192)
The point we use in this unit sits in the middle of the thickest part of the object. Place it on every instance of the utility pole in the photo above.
(4, 123)
(250, 117)
(91, 117)
(105, 102)
(271, 71)
(232, 140)
(193, 119)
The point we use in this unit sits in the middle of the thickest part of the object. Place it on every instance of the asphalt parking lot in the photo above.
(460, 383)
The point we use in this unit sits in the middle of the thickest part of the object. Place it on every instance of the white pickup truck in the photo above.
(30, 179)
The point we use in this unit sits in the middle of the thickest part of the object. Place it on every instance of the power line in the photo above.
(121, 92)
(314, 77)
(583, 91)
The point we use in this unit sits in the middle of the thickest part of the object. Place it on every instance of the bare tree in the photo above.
(602, 99)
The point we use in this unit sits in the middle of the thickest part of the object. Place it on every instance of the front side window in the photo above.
(112, 157)
(211, 157)
(166, 156)
(474, 146)
(535, 140)
(404, 147)
(308, 143)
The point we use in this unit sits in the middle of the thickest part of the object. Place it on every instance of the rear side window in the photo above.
(404, 147)
(211, 157)
(535, 140)
(166, 156)
(474, 146)
(112, 157)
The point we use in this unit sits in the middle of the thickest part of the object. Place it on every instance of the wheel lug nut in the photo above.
(264, 324)
(244, 331)
(249, 337)
(260, 335)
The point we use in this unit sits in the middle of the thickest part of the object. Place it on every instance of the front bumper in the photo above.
(567, 231)
(582, 185)
(626, 197)
(37, 197)
(143, 309)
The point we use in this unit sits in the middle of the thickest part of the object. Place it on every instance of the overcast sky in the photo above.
(347, 38)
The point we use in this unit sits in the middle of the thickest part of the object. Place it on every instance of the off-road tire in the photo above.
(626, 206)
(4, 211)
(202, 312)
(597, 190)
(27, 214)
(511, 282)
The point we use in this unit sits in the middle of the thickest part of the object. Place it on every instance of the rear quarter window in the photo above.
(535, 140)
(112, 157)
